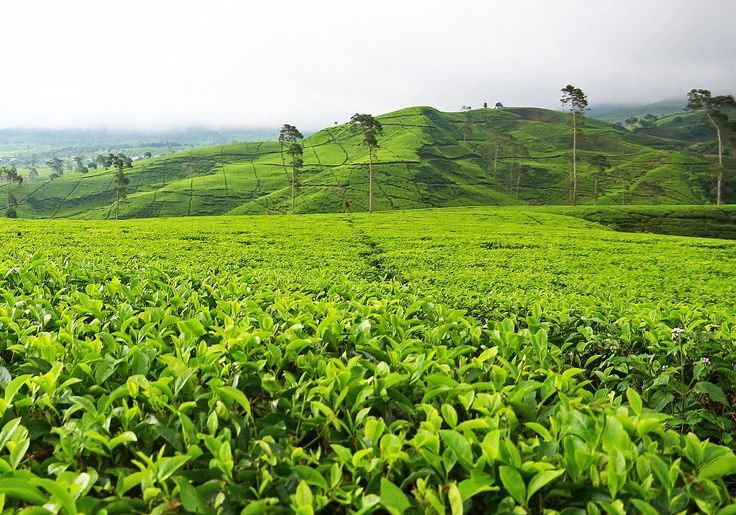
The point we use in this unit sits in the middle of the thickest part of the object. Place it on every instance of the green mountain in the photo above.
(427, 158)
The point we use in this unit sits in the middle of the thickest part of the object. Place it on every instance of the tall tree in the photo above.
(10, 174)
(32, 171)
(577, 102)
(290, 137)
(371, 129)
(731, 136)
(57, 167)
(715, 110)
(120, 162)
(79, 165)
(468, 122)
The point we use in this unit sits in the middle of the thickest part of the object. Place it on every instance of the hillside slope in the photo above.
(700, 221)
(427, 158)
(674, 128)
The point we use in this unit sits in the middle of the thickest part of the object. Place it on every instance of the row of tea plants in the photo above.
(478, 361)
(171, 393)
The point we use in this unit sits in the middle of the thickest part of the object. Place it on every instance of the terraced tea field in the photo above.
(426, 159)
(433, 361)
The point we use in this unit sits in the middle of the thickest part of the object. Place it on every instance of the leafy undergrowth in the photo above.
(169, 367)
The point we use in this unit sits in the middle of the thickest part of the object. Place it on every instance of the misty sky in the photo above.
(163, 63)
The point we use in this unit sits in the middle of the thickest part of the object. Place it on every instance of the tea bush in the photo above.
(466, 360)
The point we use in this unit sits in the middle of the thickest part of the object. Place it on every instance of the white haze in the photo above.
(160, 64)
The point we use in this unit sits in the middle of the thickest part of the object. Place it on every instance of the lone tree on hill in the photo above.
(79, 165)
(648, 121)
(631, 121)
(290, 135)
(32, 172)
(10, 174)
(468, 122)
(575, 100)
(119, 162)
(57, 167)
(715, 110)
(371, 129)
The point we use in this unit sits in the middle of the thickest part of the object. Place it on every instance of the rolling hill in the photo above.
(427, 158)
(675, 127)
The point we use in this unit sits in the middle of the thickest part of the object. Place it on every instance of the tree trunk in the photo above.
(293, 186)
(574, 193)
(370, 180)
(719, 177)
(511, 176)
(495, 161)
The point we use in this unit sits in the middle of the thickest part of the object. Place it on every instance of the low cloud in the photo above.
(165, 64)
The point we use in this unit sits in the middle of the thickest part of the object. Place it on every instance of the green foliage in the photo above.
(406, 363)
(574, 99)
(369, 127)
(57, 167)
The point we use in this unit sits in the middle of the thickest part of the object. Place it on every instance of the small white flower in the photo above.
(676, 332)
(705, 361)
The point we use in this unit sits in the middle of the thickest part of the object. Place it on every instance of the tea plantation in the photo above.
(426, 158)
(462, 360)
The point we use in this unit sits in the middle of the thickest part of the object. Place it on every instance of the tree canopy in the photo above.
(574, 99)
(371, 128)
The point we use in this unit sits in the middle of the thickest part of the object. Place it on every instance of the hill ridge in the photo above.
(427, 158)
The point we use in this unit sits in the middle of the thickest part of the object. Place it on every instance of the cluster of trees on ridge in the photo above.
(290, 139)
(118, 161)
(76, 164)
